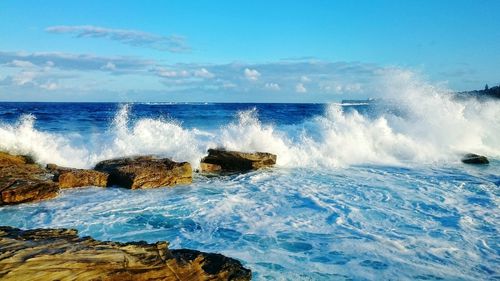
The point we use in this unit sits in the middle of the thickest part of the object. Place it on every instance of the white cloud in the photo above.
(168, 73)
(49, 86)
(21, 63)
(134, 38)
(71, 61)
(24, 77)
(109, 66)
(203, 73)
(300, 88)
(339, 88)
(251, 74)
(63, 72)
(272, 86)
(183, 73)
(305, 79)
(228, 85)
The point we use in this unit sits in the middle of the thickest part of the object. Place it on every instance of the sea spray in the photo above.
(414, 123)
(23, 138)
(152, 136)
(248, 134)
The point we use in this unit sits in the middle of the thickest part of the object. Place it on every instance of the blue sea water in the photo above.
(360, 192)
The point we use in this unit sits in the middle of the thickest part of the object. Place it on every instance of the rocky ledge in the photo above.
(70, 177)
(60, 254)
(219, 160)
(21, 180)
(145, 172)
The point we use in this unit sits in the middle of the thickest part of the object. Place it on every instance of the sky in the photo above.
(241, 51)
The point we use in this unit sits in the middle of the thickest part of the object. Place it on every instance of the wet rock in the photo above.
(219, 160)
(23, 181)
(9, 159)
(59, 254)
(210, 168)
(472, 158)
(69, 177)
(21, 191)
(145, 172)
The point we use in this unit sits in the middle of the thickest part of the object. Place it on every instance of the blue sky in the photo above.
(264, 51)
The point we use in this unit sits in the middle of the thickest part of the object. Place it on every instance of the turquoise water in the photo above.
(359, 192)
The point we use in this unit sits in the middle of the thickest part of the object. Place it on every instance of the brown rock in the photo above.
(145, 172)
(20, 191)
(68, 177)
(234, 161)
(8, 159)
(59, 254)
(210, 168)
(23, 181)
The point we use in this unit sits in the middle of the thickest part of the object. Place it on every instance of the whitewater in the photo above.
(360, 191)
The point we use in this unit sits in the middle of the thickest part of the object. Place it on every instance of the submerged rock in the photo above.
(472, 158)
(59, 254)
(145, 172)
(69, 177)
(219, 160)
(23, 181)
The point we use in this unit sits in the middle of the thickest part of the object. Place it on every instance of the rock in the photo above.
(9, 159)
(59, 254)
(23, 181)
(471, 158)
(69, 177)
(20, 191)
(219, 160)
(210, 168)
(145, 172)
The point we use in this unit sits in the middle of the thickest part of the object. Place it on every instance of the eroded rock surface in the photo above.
(69, 177)
(145, 172)
(21, 180)
(60, 254)
(219, 160)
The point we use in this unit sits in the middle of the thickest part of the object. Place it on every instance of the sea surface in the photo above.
(361, 191)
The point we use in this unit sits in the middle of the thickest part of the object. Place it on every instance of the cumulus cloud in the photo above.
(24, 77)
(251, 74)
(170, 73)
(300, 88)
(272, 86)
(20, 63)
(203, 73)
(134, 38)
(64, 73)
(30, 75)
(109, 66)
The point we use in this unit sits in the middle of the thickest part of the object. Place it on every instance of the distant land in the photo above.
(487, 92)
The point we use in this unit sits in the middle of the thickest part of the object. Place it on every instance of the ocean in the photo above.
(361, 191)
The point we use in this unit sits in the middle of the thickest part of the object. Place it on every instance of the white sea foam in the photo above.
(23, 138)
(415, 123)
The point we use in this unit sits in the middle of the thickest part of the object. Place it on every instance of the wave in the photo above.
(419, 124)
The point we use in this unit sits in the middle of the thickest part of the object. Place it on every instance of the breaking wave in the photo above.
(415, 124)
